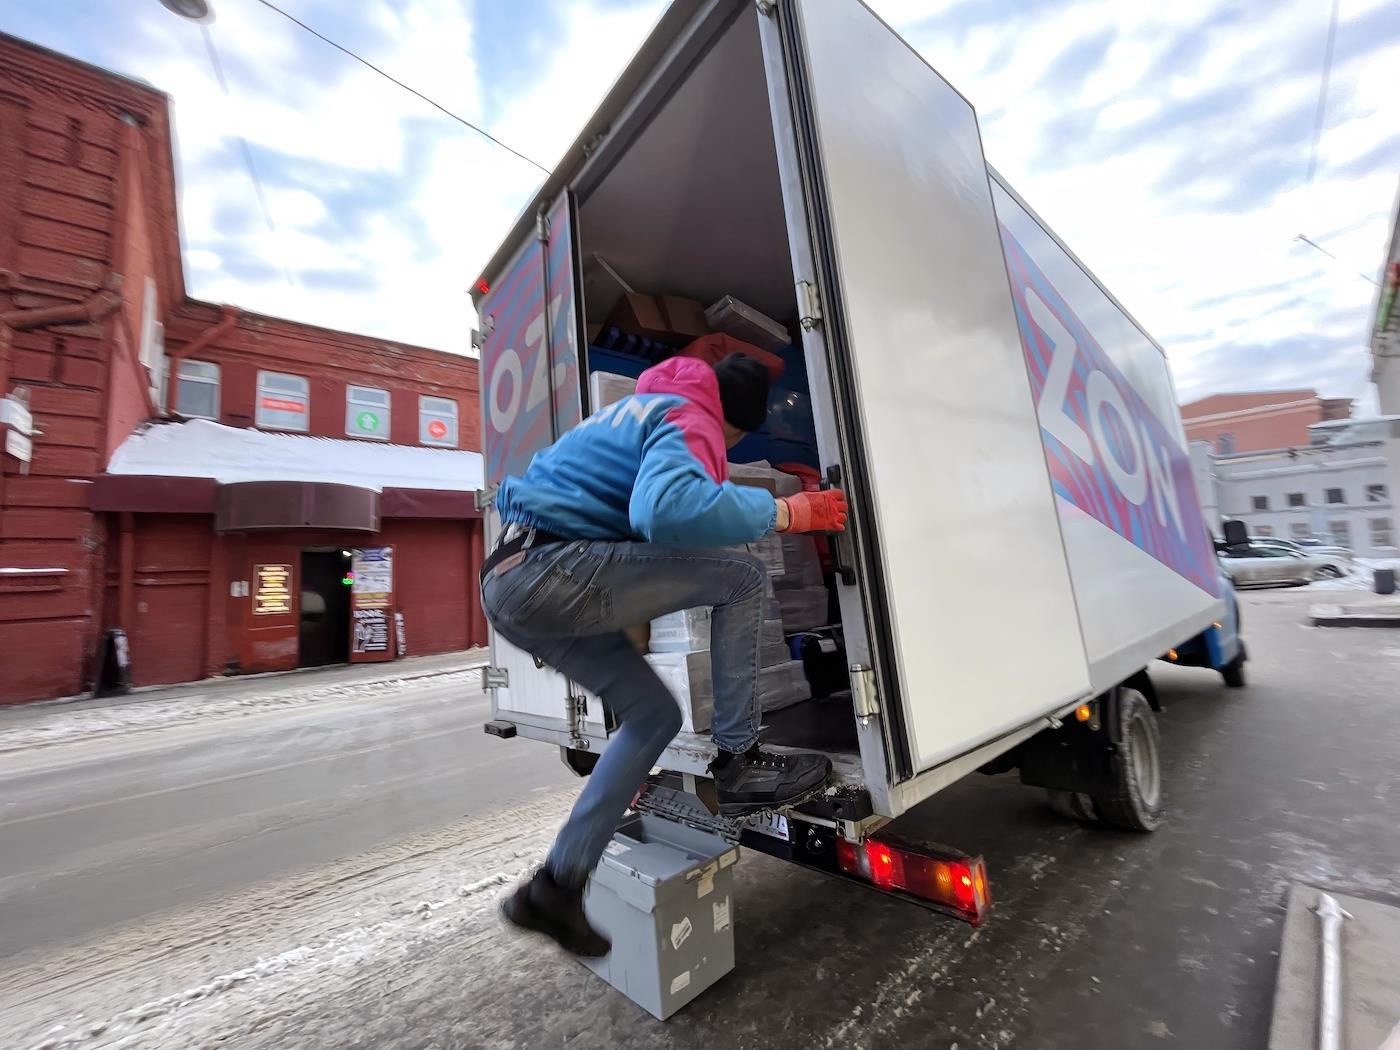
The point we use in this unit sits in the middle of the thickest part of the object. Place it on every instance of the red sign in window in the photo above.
(437, 429)
(277, 404)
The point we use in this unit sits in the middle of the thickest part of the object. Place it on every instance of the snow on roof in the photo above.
(200, 448)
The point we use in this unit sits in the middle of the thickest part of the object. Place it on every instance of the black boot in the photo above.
(756, 780)
(543, 906)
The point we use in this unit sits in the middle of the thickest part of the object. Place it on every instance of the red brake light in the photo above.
(482, 286)
(957, 883)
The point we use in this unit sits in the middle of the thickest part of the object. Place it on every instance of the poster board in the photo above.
(372, 605)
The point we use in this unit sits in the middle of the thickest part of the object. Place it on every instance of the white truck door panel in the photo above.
(976, 588)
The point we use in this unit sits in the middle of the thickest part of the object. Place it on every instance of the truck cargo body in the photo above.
(1024, 535)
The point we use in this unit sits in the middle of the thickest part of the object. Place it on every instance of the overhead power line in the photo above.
(1322, 88)
(411, 90)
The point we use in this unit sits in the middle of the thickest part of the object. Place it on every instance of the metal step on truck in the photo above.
(1025, 535)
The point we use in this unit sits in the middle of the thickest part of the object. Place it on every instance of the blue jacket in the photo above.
(649, 467)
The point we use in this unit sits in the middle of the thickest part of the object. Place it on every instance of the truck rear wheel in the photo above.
(1131, 795)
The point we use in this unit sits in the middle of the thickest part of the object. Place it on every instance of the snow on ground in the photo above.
(236, 971)
(1361, 578)
(67, 724)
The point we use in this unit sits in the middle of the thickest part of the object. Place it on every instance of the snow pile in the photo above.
(66, 724)
(204, 449)
(1361, 577)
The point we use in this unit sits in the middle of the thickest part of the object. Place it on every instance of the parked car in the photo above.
(1338, 560)
(1261, 565)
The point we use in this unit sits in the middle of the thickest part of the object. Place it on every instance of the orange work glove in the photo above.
(823, 511)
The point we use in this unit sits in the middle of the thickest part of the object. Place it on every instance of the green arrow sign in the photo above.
(367, 421)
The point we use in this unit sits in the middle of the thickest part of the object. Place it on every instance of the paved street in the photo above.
(117, 816)
(1098, 939)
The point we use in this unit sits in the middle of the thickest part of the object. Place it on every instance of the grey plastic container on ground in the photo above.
(664, 895)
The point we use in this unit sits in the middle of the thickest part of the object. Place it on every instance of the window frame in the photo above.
(352, 407)
(264, 391)
(1302, 500)
(1259, 502)
(453, 439)
(1388, 524)
(1377, 492)
(1340, 501)
(1299, 530)
(172, 389)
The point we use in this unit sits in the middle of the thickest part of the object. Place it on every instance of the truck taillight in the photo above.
(956, 883)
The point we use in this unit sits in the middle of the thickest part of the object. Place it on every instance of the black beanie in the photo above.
(743, 391)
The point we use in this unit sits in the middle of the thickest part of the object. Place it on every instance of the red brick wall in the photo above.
(1258, 429)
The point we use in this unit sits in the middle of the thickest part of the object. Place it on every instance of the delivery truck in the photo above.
(1025, 538)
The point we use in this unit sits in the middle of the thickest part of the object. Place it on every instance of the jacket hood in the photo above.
(688, 378)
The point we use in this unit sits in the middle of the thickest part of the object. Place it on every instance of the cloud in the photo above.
(1168, 144)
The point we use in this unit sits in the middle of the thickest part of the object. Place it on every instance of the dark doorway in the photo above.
(325, 608)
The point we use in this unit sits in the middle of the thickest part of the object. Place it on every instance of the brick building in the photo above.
(215, 516)
(1255, 422)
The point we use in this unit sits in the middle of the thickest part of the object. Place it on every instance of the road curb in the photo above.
(1383, 615)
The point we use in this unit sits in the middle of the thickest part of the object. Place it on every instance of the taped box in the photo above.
(688, 677)
(687, 631)
(607, 388)
(783, 685)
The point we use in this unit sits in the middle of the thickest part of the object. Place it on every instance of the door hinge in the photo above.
(542, 228)
(809, 305)
(863, 693)
(478, 338)
(495, 678)
(766, 7)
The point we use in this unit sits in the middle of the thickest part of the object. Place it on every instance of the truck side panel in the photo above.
(1142, 561)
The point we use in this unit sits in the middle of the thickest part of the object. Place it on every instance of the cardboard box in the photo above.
(639, 314)
(685, 317)
(688, 677)
(736, 318)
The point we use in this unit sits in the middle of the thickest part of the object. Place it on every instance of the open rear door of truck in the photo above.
(967, 596)
(530, 394)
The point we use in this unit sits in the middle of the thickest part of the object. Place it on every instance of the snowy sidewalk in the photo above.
(37, 725)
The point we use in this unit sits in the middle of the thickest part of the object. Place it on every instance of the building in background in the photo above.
(1261, 420)
(207, 481)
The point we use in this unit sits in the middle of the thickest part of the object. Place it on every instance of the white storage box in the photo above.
(687, 631)
(782, 685)
(742, 321)
(608, 387)
(688, 677)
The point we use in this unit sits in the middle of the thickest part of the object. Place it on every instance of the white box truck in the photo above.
(1025, 537)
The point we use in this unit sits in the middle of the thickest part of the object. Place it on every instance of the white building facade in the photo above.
(1340, 490)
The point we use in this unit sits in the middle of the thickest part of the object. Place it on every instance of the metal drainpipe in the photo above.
(199, 343)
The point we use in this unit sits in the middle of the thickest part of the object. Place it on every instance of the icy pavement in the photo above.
(55, 724)
(239, 972)
(1361, 578)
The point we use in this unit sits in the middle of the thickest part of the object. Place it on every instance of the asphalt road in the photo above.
(1097, 939)
(103, 831)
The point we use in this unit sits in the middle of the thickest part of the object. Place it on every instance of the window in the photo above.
(1336, 496)
(1381, 536)
(1341, 532)
(1225, 444)
(1263, 530)
(197, 390)
(1295, 499)
(1299, 530)
(367, 413)
(1376, 494)
(284, 402)
(437, 421)
(1259, 502)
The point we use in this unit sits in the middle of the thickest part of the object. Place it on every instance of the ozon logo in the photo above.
(1134, 459)
(508, 387)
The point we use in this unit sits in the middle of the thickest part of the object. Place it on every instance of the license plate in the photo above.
(774, 825)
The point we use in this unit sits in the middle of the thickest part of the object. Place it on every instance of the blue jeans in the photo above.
(567, 604)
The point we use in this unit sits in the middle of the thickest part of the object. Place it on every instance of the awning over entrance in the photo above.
(253, 480)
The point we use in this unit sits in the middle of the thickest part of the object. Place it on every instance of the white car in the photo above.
(1338, 561)
(1260, 565)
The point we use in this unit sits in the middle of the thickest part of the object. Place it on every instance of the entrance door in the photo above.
(324, 636)
(973, 617)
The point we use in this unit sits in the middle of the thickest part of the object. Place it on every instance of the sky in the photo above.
(1167, 143)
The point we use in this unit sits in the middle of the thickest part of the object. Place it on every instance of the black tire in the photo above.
(1131, 798)
(1330, 572)
(1233, 673)
(1072, 805)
